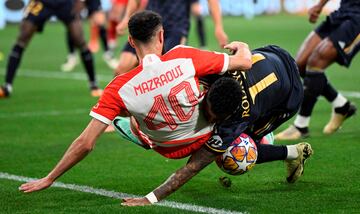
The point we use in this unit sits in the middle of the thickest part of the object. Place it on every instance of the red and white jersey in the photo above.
(163, 95)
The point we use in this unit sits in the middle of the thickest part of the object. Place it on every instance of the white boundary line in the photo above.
(120, 195)
(78, 75)
(43, 113)
(74, 75)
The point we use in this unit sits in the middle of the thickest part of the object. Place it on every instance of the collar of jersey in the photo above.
(150, 59)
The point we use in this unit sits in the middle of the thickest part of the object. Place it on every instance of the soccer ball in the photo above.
(239, 157)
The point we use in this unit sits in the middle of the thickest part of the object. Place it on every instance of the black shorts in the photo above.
(343, 29)
(172, 38)
(92, 6)
(39, 12)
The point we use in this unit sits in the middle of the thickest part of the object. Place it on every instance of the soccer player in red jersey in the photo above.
(162, 95)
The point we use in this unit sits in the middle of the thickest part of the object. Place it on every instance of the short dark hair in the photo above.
(224, 97)
(143, 25)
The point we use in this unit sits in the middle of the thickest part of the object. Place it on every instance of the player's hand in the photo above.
(121, 27)
(135, 202)
(36, 185)
(314, 13)
(235, 46)
(221, 37)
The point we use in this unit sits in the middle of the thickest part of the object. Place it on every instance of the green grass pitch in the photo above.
(49, 109)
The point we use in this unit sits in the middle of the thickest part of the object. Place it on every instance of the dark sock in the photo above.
(70, 43)
(87, 60)
(13, 63)
(314, 83)
(343, 109)
(103, 37)
(200, 30)
(267, 153)
(303, 131)
(329, 92)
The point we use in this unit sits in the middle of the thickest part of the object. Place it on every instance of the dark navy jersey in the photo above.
(350, 5)
(271, 92)
(175, 14)
(55, 2)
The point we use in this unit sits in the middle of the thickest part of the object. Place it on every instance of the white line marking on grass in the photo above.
(352, 94)
(75, 75)
(43, 113)
(120, 195)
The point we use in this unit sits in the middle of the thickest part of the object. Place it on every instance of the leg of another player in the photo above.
(27, 30)
(76, 31)
(127, 61)
(71, 59)
(315, 83)
(98, 19)
(200, 27)
(116, 12)
(306, 48)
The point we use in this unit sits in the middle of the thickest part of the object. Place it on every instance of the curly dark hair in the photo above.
(224, 97)
(143, 25)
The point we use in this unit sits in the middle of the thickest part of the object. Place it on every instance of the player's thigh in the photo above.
(127, 61)
(98, 18)
(36, 15)
(195, 8)
(306, 48)
(64, 12)
(27, 30)
(76, 32)
(117, 10)
(324, 55)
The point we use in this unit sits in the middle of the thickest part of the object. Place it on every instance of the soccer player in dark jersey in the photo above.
(97, 19)
(256, 102)
(146, 35)
(37, 13)
(337, 39)
(176, 18)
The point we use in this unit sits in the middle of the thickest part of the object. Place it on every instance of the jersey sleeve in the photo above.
(109, 105)
(224, 135)
(205, 62)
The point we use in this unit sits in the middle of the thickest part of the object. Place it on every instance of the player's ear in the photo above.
(161, 36)
(131, 41)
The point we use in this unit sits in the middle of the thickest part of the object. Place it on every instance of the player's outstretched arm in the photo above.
(198, 161)
(241, 58)
(75, 153)
(215, 12)
(314, 11)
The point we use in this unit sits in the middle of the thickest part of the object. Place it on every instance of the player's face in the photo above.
(210, 116)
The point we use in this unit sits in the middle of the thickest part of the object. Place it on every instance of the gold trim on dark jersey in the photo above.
(261, 85)
(350, 48)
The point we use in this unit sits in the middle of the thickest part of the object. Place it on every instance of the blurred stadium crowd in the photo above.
(11, 10)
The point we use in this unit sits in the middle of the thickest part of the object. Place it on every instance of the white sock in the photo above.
(9, 87)
(302, 121)
(339, 101)
(292, 152)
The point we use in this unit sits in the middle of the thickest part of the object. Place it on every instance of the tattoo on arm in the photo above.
(198, 161)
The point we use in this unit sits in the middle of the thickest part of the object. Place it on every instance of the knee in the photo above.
(24, 38)
(323, 55)
(79, 42)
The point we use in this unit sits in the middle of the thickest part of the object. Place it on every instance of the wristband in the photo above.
(151, 197)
